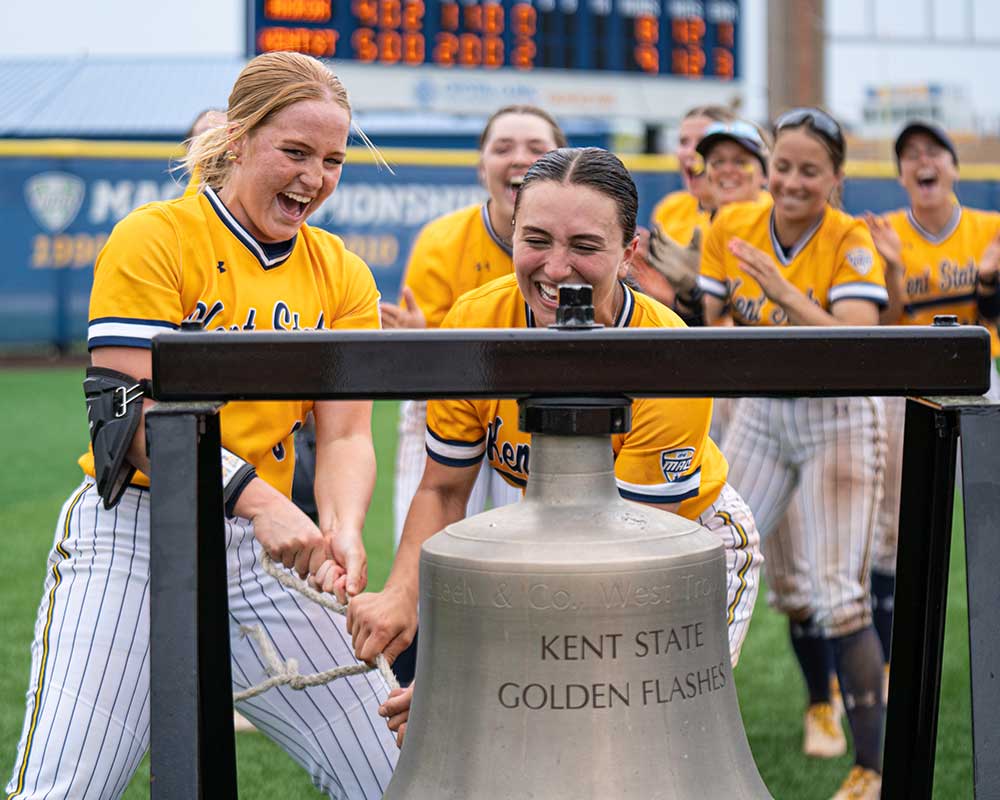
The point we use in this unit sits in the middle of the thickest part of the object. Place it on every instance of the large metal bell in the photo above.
(574, 646)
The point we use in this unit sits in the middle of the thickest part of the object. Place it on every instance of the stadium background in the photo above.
(60, 197)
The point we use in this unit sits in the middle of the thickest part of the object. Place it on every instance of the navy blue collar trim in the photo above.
(623, 320)
(269, 255)
(949, 229)
(493, 234)
(787, 257)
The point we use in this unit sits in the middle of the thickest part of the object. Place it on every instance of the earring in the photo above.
(230, 155)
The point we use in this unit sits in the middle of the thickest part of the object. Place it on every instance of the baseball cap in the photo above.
(743, 133)
(936, 132)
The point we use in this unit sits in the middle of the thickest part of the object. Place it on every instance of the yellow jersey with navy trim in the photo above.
(679, 214)
(453, 255)
(834, 260)
(940, 270)
(667, 457)
(190, 260)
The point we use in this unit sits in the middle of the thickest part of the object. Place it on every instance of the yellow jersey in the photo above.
(190, 260)
(453, 255)
(667, 457)
(193, 184)
(835, 260)
(940, 271)
(678, 214)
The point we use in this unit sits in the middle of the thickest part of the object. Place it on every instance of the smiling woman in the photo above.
(810, 468)
(453, 255)
(238, 255)
(574, 222)
(943, 258)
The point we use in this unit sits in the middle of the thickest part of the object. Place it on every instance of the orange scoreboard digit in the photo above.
(683, 38)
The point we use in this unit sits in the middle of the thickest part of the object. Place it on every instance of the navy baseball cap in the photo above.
(743, 133)
(936, 132)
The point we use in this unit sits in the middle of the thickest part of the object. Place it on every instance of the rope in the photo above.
(286, 673)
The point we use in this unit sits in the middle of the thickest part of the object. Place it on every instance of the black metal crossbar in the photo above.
(190, 700)
(695, 362)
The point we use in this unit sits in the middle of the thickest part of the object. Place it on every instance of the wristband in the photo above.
(691, 299)
(236, 476)
(989, 305)
(690, 308)
(990, 282)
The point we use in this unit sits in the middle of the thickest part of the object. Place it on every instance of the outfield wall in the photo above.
(59, 200)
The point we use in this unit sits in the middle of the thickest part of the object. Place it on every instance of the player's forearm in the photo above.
(431, 510)
(345, 480)
(800, 310)
(896, 286)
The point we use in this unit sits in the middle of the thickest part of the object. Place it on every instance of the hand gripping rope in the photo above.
(286, 673)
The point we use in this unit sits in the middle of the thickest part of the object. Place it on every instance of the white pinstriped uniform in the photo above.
(87, 721)
(411, 455)
(821, 462)
(730, 518)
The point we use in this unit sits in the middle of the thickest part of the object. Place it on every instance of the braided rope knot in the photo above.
(286, 673)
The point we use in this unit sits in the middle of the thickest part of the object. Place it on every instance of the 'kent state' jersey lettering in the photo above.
(159, 268)
(836, 260)
(679, 214)
(667, 457)
(940, 271)
(453, 255)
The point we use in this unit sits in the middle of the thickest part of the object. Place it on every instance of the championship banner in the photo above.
(60, 200)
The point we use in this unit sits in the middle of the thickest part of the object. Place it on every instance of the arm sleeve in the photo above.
(359, 306)
(455, 433)
(137, 284)
(660, 460)
(858, 273)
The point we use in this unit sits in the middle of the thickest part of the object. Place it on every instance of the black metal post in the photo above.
(980, 428)
(192, 746)
(925, 518)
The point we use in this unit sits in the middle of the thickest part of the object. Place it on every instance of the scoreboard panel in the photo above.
(680, 38)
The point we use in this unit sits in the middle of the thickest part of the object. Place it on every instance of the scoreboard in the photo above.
(679, 38)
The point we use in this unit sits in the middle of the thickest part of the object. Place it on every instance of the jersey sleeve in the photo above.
(859, 273)
(660, 460)
(137, 282)
(713, 265)
(428, 275)
(359, 305)
(456, 435)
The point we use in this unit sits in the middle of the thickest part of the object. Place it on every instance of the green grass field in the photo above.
(43, 426)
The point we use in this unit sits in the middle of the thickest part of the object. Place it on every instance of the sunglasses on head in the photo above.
(818, 120)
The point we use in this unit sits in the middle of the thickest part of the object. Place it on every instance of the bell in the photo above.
(574, 645)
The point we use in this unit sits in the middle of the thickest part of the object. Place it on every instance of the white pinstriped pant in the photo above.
(722, 413)
(87, 719)
(411, 455)
(887, 535)
(730, 519)
(820, 461)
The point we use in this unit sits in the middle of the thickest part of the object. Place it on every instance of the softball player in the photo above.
(686, 211)
(942, 259)
(803, 262)
(735, 157)
(237, 256)
(455, 254)
(575, 223)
